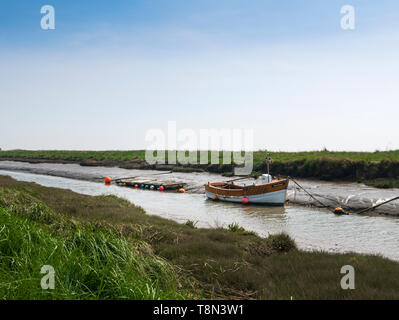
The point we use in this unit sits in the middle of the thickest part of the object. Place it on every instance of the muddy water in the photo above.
(348, 195)
(312, 229)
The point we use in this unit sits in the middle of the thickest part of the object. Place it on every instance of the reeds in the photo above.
(325, 165)
(89, 262)
(107, 248)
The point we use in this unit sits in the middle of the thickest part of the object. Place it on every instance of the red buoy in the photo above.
(136, 186)
(161, 188)
(107, 180)
(245, 200)
(215, 197)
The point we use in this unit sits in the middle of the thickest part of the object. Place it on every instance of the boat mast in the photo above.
(267, 162)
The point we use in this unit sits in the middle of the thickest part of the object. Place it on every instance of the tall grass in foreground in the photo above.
(88, 263)
(80, 234)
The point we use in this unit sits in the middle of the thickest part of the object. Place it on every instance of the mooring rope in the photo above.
(324, 206)
(336, 201)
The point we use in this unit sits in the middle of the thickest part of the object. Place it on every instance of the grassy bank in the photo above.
(105, 247)
(91, 261)
(259, 156)
(379, 169)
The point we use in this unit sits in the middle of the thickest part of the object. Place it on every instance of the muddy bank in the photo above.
(216, 259)
(133, 164)
(380, 174)
(351, 196)
(128, 164)
(193, 180)
(312, 228)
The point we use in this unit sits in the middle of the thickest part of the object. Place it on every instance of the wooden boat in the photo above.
(269, 192)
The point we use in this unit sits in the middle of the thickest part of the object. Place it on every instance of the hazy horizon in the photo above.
(255, 150)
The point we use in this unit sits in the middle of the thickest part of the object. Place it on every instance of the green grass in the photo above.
(234, 227)
(75, 155)
(383, 183)
(105, 247)
(336, 155)
(191, 223)
(90, 261)
(259, 156)
(379, 169)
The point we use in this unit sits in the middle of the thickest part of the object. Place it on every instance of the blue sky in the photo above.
(112, 70)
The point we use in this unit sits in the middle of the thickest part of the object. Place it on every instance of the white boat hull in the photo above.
(270, 198)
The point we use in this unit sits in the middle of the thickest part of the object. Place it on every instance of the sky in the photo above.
(111, 71)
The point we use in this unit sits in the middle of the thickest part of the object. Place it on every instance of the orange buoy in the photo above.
(339, 210)
(107, 180)
(181, 190)
(215, 197)
(161, 188)
(245, 200)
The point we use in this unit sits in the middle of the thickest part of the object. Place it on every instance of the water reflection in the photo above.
(354, 195)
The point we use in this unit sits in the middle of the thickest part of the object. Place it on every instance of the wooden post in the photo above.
(377, 205)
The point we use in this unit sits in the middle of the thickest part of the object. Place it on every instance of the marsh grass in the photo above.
(91, 261)
(234, 227)
(105, 247)
(281, 242)
(259, 156)
(383, 183)
(379, 168)
(192, 224)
